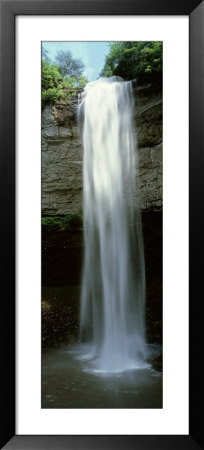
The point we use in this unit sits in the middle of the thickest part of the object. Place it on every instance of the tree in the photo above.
(45, 56)
(55, 86)
(50, 75)
(69, 66)
(129, 59)
(83, 81)
(52, 83)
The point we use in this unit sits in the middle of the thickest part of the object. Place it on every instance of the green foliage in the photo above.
(52, 83)
(55, 85)
(69, 66)
(129, 59)
(67, 222)
(55, 221)
(51, 78)
(83, 81)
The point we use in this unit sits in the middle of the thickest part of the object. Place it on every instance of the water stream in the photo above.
(113, 286)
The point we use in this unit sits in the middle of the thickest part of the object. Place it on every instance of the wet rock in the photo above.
(157, 363)
(59, 316)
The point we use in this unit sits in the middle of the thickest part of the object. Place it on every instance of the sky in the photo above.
(91, 53)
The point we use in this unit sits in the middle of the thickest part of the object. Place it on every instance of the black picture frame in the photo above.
(195, 10)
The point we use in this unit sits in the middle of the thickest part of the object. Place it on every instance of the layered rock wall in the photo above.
(62, 155)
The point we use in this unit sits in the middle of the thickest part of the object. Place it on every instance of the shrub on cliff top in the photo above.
(130, 59)
(55, 86)
(52, 83)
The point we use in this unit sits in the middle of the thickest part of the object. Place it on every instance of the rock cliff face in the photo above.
(62, 155)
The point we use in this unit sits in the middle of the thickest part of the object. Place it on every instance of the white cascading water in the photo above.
(113, 282)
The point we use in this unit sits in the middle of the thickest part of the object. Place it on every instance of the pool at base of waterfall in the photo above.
(71, 380)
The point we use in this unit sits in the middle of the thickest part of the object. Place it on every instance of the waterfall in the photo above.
(113, 281)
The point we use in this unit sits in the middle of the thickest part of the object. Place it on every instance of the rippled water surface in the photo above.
(69, 382)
